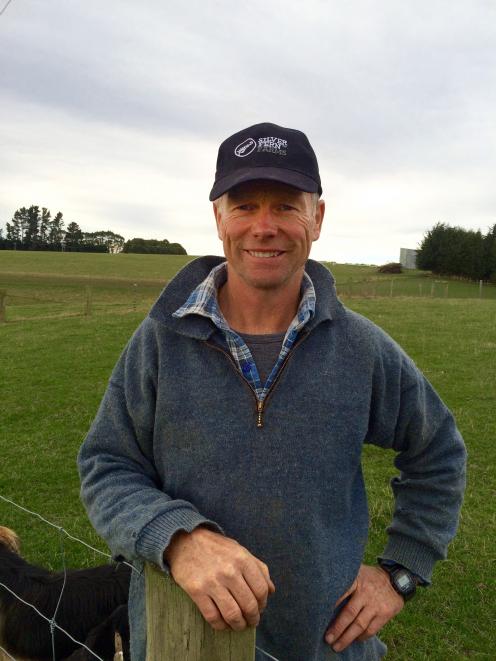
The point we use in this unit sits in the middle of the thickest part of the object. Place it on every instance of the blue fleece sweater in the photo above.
(175, 444)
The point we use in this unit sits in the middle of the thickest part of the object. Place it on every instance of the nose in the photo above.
(264, 224)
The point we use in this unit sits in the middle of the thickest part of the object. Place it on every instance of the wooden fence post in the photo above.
(88, 306)
(3, 311)
(176, 630)
(135, 296)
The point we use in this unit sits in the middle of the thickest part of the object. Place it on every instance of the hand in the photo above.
(373, 602)
(229, 585)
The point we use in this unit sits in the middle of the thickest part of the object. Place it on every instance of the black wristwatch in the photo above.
(402, 580)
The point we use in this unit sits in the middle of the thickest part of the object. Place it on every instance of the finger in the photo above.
(357, 628)
(210, 612)
(246, 601)
(375, 625)
(348, 614)
(229, 609)
(258, 583)
(265, 572)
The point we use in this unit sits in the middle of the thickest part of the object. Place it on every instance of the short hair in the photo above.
(315, 199)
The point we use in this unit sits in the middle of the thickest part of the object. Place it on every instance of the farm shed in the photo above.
(408, 258)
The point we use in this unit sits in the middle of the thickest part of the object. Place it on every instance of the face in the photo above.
(267, 230)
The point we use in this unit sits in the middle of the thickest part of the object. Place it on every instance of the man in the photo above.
(227, 447)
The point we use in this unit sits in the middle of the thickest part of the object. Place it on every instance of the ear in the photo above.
(318, 218)
(218, 220)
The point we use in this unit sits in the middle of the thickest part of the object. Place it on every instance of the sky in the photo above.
(112, 112)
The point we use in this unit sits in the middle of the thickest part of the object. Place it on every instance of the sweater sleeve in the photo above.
(120, 487)
(408, 416)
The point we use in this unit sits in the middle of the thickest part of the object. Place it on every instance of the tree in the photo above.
(56, 229)
(17, 229)
(456, 251)
(108, 239)
(13, 232)
(73, 235)
(44, 225)
(31, 235)
(154, 247)
(429, 251)
(490, 254)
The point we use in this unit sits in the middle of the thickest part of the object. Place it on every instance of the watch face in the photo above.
(403, 581)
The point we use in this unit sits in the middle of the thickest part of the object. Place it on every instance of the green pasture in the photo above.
(55, 363)
(51, 284)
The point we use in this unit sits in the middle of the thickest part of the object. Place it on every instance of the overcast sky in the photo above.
(112, 112)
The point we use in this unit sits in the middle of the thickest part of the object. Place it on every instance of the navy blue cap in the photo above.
(266, 151)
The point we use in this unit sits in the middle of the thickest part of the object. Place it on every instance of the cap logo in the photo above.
(245, 147)
(273, 145)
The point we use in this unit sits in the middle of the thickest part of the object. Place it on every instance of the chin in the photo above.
(266, 283)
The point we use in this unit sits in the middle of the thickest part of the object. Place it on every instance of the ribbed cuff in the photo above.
(413, 555)
(156, 536)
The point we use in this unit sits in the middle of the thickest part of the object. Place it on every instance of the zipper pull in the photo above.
(260, 406)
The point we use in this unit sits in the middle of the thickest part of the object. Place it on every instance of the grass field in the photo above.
(54, 368)
(39, 284)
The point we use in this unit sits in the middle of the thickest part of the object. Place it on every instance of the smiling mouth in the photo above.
(265, 253)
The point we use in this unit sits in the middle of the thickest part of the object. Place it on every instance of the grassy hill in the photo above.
(54, 284)
(55, 362)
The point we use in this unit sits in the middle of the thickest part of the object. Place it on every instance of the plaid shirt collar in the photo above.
(203, 301)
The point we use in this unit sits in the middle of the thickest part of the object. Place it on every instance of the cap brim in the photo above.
(290, 177)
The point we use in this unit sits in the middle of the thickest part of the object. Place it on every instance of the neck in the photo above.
(258, 311)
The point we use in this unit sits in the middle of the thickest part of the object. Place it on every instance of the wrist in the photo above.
(178, 540)
(175, 539)
(403, 581)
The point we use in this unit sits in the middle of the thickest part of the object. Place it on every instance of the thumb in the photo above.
(350, 590)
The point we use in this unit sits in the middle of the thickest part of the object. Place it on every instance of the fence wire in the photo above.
(62, 530)
(53, 625)
(5, 653)
(52, 621)
(269, 656)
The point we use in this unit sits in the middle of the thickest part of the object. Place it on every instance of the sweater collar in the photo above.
(198, 327)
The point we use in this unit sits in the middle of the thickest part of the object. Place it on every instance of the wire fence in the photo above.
(414, 287)
(51, 621)
(24, 301)
(74, 302)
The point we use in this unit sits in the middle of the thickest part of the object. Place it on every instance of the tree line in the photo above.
(456, 251)
(154, 247)
(33, 228)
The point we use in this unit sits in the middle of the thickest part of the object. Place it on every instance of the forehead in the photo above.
(263, 188)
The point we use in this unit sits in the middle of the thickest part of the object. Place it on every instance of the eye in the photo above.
(245, 207)
(287, 207)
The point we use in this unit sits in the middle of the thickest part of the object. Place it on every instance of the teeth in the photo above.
(255, 253)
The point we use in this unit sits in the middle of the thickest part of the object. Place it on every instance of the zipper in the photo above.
(260, 403)
(233, 363)
(261, 407)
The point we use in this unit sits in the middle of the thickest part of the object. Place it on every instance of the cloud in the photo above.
(114, 111)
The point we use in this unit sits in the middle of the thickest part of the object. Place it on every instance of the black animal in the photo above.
(101, 638)
(90, 598)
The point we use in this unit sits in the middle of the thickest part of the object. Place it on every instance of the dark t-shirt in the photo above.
(265, 350)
